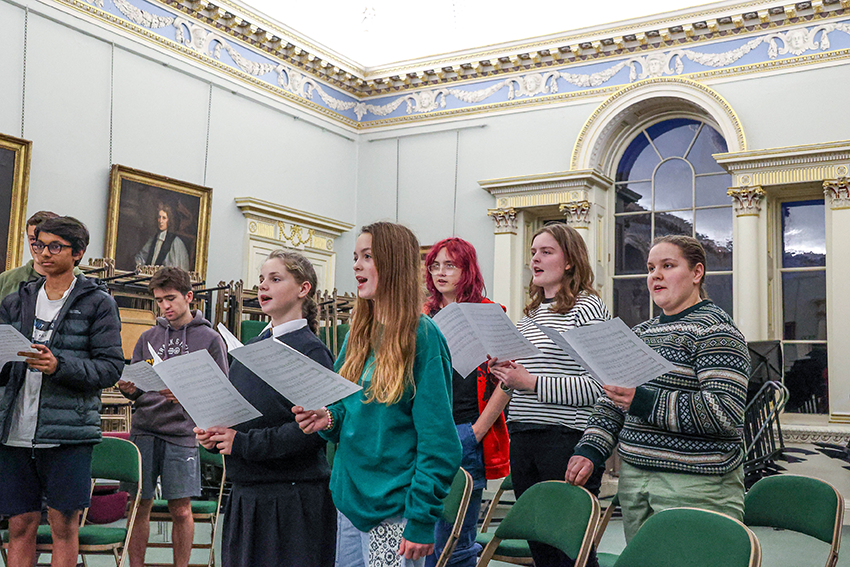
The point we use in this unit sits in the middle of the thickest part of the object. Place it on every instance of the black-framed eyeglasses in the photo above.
(54, 247)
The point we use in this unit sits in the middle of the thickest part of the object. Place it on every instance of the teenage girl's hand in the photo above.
(311, 421)
(222, 437)
(415, 551)
(493, 362)
(622, 397)
(579, 470)
(514, 375)
(42, 361)
(203, 438)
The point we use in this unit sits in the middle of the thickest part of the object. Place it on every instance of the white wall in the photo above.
(89, 104)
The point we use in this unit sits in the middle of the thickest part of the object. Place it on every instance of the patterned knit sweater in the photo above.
(689, 420)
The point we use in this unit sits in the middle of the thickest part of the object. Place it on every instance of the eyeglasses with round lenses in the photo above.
(446, 268)
(53, 247)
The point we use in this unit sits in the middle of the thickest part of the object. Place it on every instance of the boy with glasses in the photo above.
(11, 280)
(49, 410)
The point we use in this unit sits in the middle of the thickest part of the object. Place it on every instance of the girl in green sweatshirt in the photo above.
(398, 448)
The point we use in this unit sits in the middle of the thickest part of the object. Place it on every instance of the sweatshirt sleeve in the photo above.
(438, 449)
(218, 352)
(337, 410)
(103, 368)
(721, 363)
(602, 432)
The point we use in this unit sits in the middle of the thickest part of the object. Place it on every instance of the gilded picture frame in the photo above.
(15, 158)
(157, 220)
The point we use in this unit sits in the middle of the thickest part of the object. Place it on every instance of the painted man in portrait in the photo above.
(164, 248)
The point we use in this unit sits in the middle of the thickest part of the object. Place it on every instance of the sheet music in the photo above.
(204, 391)
(474, 330)
(298, 378)
(611, 353)
(11, 343)
(143, 376)
(229, 338)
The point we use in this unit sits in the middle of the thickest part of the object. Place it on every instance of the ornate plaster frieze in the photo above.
(825, 433)
(577, 213)
(782, 166)
(291, 227)
(265, 59)
(504, 220)
(838, 192)
(747, 201)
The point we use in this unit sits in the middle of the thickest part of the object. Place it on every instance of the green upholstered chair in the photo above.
(113, 459)
(688, 537)
(455, 505)
(552, 512)
(514, 551)
(797, 503)
(204, 511)
(250, 329)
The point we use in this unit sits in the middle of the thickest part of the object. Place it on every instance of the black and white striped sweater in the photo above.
(565, 392)
(689, 420)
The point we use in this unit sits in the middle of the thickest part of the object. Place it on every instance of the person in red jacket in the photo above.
(453, 276)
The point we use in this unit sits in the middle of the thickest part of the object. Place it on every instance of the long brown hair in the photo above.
(576, 280)
(692, 251)
(301, 270)
(395, 251)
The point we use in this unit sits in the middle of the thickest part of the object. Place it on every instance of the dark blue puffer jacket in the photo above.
(86, 341)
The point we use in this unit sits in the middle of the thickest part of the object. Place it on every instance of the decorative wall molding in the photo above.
(747, 201)
(577, 213)
(504, 220)
(782, 166)
(268, 58)
(838, 193)
(280, 217)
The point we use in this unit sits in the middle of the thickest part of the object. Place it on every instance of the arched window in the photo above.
(667, 182)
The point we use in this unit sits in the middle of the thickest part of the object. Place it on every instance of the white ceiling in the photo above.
(374, 33)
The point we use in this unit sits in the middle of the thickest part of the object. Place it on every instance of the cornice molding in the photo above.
(211, 36)
(792, 164)
(272, 211)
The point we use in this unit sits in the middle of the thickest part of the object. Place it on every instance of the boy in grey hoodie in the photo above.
(161, 427)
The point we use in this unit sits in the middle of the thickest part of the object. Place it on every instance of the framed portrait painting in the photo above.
(15, 156)
(157, 221)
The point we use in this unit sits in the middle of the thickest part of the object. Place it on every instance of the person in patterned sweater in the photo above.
(680, 434)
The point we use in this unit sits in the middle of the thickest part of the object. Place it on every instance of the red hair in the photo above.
(470, 287)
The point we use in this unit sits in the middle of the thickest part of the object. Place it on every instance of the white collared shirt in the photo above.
(288, 327)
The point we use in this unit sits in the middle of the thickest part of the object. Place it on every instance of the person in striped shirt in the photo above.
(679, 434)
(552, 396)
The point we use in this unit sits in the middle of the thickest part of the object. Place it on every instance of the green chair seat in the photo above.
(198, 507)
(507, 547)
(89, 535)
(607, 559)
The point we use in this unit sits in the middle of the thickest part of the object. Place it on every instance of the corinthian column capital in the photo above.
(746, 200)
(504, 220)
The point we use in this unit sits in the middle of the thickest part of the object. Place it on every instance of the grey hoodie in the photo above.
(153, 414)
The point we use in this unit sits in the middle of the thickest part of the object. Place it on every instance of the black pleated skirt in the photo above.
(279, 525)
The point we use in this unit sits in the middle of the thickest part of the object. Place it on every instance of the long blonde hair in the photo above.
(395, 251)
(575, 281)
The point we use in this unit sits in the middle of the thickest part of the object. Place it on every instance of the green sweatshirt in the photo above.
(398, 460)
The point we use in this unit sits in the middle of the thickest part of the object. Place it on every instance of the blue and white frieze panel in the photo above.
(616, 71)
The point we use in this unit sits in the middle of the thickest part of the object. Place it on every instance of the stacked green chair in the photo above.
(113, 459)
(204, 511)
(515, 551)
(688, 537)
(802, 504)
(552, 512)
(454, 511)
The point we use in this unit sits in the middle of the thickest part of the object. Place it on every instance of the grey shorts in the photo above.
(179, 468)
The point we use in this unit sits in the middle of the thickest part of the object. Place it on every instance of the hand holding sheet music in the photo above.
(202, 389)
(611, 353)
(474, 330)
(143, 376)
(11, 343)
(298, 378)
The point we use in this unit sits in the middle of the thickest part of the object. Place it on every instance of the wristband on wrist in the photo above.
(330, 424)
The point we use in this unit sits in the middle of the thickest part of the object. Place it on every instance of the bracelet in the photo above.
(330, 424)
